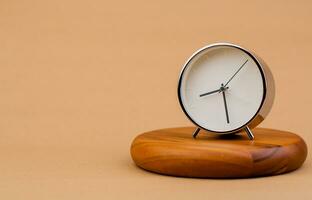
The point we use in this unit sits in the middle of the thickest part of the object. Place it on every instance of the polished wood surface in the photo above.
(174, 152)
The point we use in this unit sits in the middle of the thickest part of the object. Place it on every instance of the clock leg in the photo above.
(196, 132)
(249, 133)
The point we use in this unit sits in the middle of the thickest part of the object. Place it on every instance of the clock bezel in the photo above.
(261, 67)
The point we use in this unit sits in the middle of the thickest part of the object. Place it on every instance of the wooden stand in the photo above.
(174, 152)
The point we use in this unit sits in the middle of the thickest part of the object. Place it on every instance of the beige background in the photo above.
(80, 79)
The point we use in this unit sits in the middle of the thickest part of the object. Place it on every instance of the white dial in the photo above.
(222, 88)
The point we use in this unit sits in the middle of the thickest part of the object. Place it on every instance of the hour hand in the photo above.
(214, 91)
(211, 92)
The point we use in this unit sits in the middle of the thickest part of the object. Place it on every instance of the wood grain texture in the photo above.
(174, 152)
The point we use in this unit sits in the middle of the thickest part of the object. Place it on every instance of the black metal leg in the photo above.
(196, 132)
(249, 133)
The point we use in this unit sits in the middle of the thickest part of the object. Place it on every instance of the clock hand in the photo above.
(236, 73)
(224, 86)
(214, 91)
(225, 105)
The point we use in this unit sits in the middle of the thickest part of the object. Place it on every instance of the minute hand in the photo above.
(236, 73)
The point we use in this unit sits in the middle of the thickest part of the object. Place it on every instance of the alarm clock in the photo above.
(224, 88)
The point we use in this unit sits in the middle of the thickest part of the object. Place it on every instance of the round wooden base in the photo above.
(174, 152)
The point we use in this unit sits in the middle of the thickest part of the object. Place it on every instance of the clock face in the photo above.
(221, 88)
